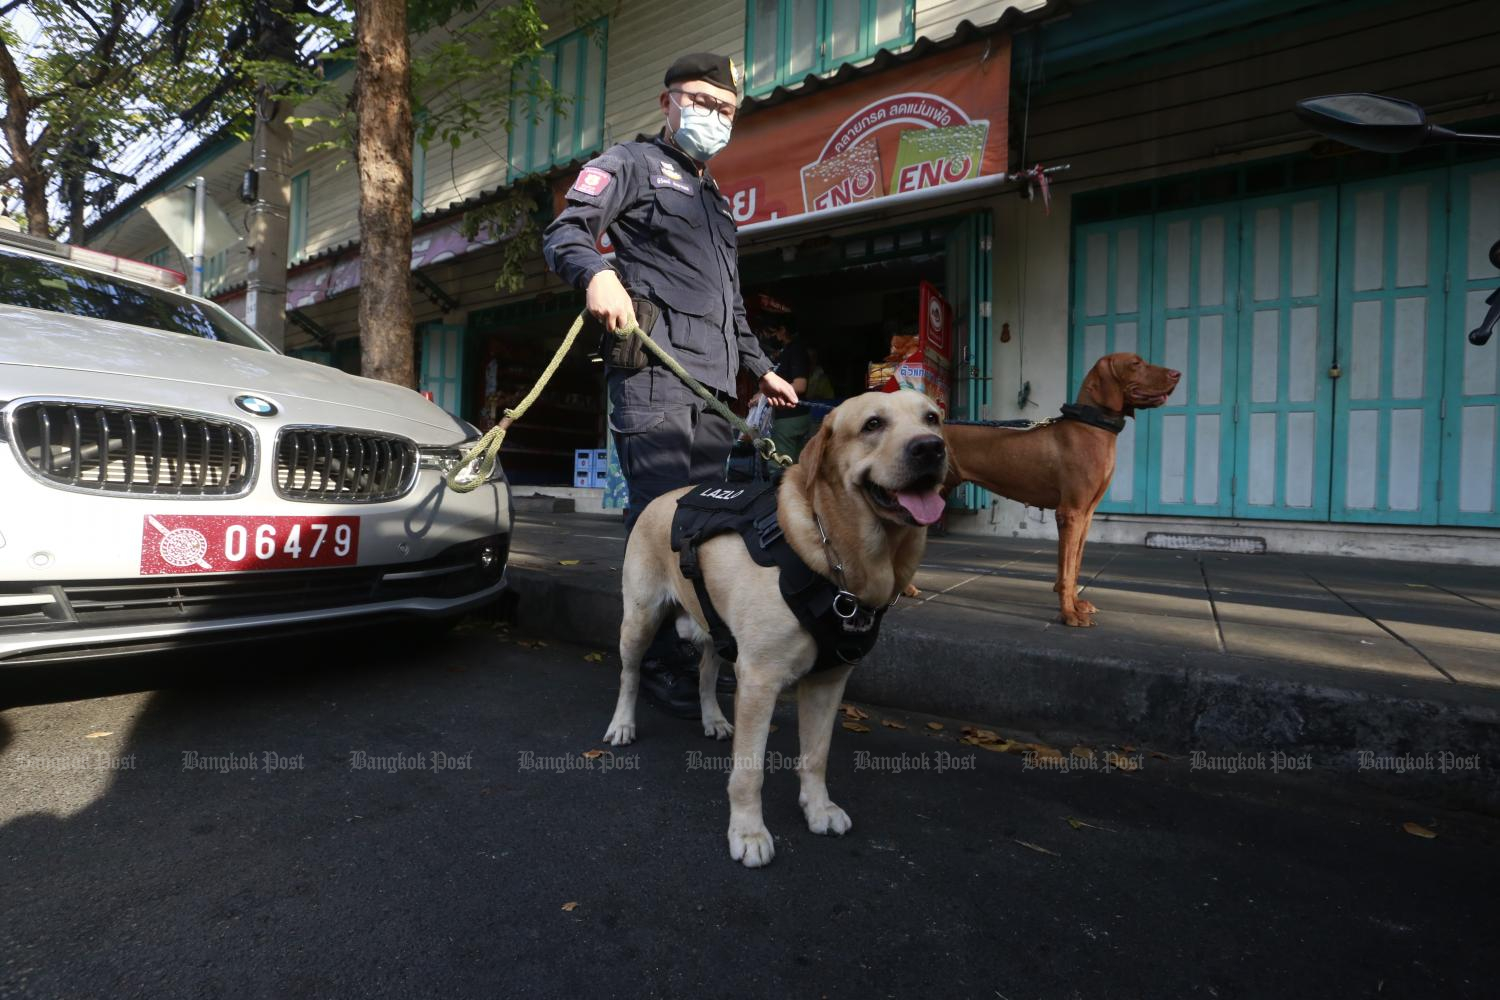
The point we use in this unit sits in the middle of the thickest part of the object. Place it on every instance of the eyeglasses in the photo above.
(707, 103)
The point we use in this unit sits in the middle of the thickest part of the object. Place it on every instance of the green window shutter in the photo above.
(296, 235)
(162, 258)
(543, 135)
(785, 40)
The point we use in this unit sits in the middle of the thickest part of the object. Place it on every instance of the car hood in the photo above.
(41, 339)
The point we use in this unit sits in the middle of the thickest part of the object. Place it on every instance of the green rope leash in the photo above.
(477, 465)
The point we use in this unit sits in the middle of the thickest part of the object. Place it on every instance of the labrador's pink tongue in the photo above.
(925, 508)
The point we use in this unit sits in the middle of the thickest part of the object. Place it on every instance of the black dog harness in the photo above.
(843, 629)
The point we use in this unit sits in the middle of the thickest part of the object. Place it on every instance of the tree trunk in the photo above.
(24, 169)
(383, 151)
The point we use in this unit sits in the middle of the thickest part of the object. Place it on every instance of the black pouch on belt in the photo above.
(627, 352)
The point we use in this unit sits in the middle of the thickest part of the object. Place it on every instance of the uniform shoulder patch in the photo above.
(592, 181)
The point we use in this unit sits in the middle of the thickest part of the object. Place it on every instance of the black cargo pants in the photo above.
(665, 435)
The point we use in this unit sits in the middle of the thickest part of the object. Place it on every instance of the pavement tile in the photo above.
(960, 618)
(1169, 632)
(1157, 600)
(1306, 614)
(1328, 649)
(1467, 664)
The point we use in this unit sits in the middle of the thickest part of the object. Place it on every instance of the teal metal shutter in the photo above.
(1387, 404)
(443, 365)
(1283, 428)
(1471, 425)
(1111, 313)
(1194, 330)
(970, 291)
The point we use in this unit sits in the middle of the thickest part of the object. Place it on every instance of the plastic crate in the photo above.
(583, 460)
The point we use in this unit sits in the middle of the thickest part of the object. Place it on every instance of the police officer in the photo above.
(676, 270)
(675, 255)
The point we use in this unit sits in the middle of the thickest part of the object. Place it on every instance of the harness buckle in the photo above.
(769, 528)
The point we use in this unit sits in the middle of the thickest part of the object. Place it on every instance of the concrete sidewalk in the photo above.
(1348, 661)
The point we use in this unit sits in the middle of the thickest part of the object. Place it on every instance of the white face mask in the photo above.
(702, 134)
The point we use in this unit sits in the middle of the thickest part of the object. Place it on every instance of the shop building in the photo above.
(1316, 299)
(479, 347)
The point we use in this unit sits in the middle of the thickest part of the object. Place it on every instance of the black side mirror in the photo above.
(1369, 121)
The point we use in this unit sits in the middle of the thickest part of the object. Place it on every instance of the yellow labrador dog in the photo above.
(870, 477)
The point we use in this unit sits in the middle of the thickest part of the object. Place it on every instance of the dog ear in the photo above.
(1102, 386)
(811, 458)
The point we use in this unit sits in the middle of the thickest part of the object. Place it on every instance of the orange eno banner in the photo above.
(932, 122)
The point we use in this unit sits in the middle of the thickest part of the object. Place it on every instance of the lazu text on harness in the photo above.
(844, 629)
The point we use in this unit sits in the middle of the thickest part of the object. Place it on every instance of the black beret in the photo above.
(706, 66)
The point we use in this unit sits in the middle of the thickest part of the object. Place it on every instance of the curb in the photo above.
(1134, 694)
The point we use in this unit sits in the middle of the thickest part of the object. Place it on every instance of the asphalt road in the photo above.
(129, 867)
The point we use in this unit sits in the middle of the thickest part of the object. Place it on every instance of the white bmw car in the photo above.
(166, 477)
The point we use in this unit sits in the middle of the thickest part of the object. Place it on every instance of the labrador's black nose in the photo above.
(927, 450)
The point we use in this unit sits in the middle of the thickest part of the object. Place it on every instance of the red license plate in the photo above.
(208, 543)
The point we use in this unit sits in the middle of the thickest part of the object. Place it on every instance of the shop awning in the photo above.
(953, 197)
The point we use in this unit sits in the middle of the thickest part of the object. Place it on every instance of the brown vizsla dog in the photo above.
(1065, 465)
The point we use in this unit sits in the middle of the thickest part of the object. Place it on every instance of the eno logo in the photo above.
(847, 191)
(722, 494)
(933, 172)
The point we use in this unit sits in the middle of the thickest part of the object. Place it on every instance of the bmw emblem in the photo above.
(255, 405)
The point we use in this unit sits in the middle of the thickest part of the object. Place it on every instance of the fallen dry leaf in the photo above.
(1127, 748)
(567, 562)
(892, 724)
(855, 727)
(935, 726)
(998, 746)
(569, 907)
(594, 657)
(1038, 848)
(1418, 830)
(95, 736)
(592, 754)
(1079, 824)
(1082, 752)
(1126, 763)
(1042, 750)
(853, 712)
(1159, 755)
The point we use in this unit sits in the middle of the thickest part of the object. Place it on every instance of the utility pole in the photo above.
(269, 188)
(270, 212)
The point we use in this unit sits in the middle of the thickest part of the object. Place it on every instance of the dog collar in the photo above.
(1094, 417)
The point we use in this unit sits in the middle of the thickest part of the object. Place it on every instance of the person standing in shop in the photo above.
(790, 426)
(676, 272)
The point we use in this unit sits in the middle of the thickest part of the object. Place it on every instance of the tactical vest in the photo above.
(844, 630)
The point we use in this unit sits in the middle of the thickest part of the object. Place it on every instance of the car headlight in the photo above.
(444, 459)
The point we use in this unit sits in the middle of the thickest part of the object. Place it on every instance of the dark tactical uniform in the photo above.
(674, 240)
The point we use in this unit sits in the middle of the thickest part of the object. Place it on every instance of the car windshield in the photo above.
(57, 286)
